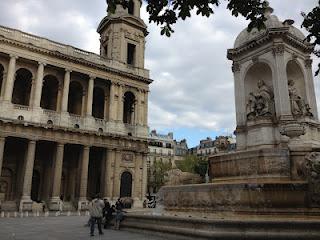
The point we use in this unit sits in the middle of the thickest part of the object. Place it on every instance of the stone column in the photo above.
(4, 77)
(55, 201)
(310, 89)
(120, 103)
(84, 178)
(26, 202)
(108, 177)
(116, 174)
(144, 175)
(280, 84)
(90, 96)
(65, 93)
(10, 78)
(2, 143)
(112, 103)
(145, 113)
(38, 85)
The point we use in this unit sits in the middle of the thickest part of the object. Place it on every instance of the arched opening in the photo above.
(22, 87)
(98, 103)
(35, 186)
(297, 90)
(5, 184)
(131, 7)
(259, 91)
(128, 108)
(126, 185)
(1, 78)
(49, 93)
(75, 98)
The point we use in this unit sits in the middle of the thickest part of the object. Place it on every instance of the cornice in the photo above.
(62, 56)
(268, 36)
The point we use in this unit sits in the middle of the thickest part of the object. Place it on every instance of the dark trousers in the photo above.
(94, 220)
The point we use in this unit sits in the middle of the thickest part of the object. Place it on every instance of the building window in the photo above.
(131, 7)
(131, 53)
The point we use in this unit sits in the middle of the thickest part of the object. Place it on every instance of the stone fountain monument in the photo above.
(277, 163)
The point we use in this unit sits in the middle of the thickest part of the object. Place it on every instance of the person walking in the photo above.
(96, 214)
(119, 214)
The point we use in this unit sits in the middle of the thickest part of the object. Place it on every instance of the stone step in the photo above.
(190, 228)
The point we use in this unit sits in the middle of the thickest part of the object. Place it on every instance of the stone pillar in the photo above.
(4, 77)
(116, 175)
(90, 96)
(137, 183)
(310, 89)
(26, 202)
(2, 143)
(120, 103)
(38, 85)
(112, 103)
(145, 113)
(108, 177)
(84, 178)
(55, 202)
(144, 176)
(10, 79)
(65, 93)
(280, 84)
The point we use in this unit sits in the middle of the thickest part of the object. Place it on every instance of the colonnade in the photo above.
(116, 93)
(110, 174)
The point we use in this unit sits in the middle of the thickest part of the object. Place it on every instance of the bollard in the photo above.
(79, 213)
(87, 213)
(27, 214)
(15, 214)
(69, 214)
(21, 214)
(8, 214)
(2, 214)
(38, 214)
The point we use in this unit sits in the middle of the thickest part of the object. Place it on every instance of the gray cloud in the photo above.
(193, 80)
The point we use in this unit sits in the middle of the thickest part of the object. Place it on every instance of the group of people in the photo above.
(102, 212)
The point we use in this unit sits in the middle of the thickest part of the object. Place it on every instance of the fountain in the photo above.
(276, 167)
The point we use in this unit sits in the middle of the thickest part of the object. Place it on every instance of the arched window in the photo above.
(126, 185)
(22, 87)
(75, 98)
(98, 103)
(49, 93)
(128, 108)
(1, 77)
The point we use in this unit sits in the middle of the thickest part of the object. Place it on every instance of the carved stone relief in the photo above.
(313, 171)
(261, 102)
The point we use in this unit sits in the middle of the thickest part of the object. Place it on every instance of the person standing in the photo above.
(96, 214)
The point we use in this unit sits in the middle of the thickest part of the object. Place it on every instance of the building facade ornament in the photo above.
(236, 67)
(278, 50)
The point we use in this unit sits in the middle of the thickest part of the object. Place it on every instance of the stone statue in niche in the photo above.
(296, 101)
(260, 103)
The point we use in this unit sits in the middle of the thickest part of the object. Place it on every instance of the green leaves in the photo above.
(311, 23)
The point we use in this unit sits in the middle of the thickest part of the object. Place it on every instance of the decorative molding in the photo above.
(236, 67)
(278, 50)
(308, 63)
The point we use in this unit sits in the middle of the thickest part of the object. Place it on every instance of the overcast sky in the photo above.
(192, 94)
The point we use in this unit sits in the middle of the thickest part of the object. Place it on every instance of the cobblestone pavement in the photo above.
(58, 228)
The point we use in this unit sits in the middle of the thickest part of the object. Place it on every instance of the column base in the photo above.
(25, 204)
(83, 205)
(55, 204)
(137, 203)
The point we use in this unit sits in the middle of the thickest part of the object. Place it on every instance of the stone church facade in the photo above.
(74, 123)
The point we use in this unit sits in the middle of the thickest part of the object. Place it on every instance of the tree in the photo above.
(156, 175)
(193, 164)
(167, 12)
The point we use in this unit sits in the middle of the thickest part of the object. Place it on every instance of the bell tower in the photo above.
(122, 35)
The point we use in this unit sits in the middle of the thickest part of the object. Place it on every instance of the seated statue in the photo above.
(261, 102)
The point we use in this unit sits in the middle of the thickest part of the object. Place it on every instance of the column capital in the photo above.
(13, 56)
(92, 77)
(308, 63)
(32, 141)
(86, 147)
(42, 63)
(68, 70)
(60, 144)
(278, 50)
(236, 67)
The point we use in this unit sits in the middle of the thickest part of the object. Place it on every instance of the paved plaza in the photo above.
(57, 228)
